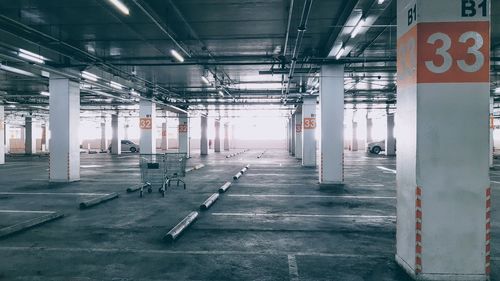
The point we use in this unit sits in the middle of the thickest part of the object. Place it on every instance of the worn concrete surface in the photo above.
(275, 223)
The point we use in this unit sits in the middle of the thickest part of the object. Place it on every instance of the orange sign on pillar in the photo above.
(309, 123)
(183, 128)
(298, 128)
(145, 123)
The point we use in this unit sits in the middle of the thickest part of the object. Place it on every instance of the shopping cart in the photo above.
(161, 169)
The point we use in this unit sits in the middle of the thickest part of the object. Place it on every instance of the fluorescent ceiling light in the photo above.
(134, 93)
(118, 4)
(31, 56)
(340, 53)
(357, 28)
(47, 94)
(221, 93)
(177, 56)
(89, 76)
(16, 70)
(205, 80)
(12, 106)
(497, 90)
(116, 85)
(381, 1)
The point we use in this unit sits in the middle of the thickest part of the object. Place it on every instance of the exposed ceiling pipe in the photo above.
(298, 42)
(290, 13)
(148, 11)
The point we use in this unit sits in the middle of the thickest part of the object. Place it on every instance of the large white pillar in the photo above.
(309, 131)
(332, 124)
(298, 135)
(204, 136)
(30, 136)
(288, 139)
(184, 146)
(226, 136)
(369, 129)
(147, 124)
(64, 125)
(6, 131)
(116, 140)
(492, 127)
(390, 140)
(164, 135)
(443, 198)
(104, 140)
(293, 129)
(354, 140)
(44, 140)
(2, 134)
(217, 136)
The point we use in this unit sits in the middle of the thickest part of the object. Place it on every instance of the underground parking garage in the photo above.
(295, 140)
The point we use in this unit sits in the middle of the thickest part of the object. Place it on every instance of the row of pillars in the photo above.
(390, 140)
(204, 143)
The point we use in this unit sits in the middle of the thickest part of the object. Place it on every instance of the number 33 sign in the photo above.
(309, 123)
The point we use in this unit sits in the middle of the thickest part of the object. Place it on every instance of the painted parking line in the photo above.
(26, 212)
(312, 196)
(53, 194)
(200, 252)
(495, 181)
(293, 271)
(386, 169)
(304, 215)
(370, 185)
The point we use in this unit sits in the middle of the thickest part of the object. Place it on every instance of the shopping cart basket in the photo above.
(159, 170)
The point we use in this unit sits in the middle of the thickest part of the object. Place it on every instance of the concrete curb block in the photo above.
(237, 176)
(237, 153)
(97, 201)
(225, 187)
(262, 154)
(133, 188)
(197, 167)
(9, 230)
(180, 227)
(209, 202)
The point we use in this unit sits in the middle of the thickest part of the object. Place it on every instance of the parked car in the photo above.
(376, 147)
(127, 146)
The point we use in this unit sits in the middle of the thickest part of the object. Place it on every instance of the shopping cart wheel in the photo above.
(141, 193)
(163, 193)
(150, 190)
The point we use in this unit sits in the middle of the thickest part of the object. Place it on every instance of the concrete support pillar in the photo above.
(217, 136)
(2, 134)
(226, 136)
(64, 129)
(288, 141)
(292, 132)
(43, 142)
(164, 135)
(309, 131)
(147, 115)
(30, 140)
(492, 127)
(204, 136)
(7, 137)
(298, 135)
(443, 198)
(354, 140)
(390, 140)
(116, 140)
(184, 145)
(369, 130)
(332, 124)
(104, 139)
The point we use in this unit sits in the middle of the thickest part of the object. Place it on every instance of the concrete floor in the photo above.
(275, 223)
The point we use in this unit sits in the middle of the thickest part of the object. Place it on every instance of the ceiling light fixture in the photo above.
(497, 90)
(177, 56)
(357, 28)
(116, 85)
(221, 93)
(381, 1)
(118, 4)
(15, 70)
(89, 76)
(205, 80)
(340, 53)
(43, 93)
(31, 56)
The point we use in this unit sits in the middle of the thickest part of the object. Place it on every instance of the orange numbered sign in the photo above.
(298, 128)
(183, 128)
(453, 52)
(309, 123)
(145, 123)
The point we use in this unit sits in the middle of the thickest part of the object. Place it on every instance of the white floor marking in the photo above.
(311, 196)
(293, 271)
(369, 185)
(27, 212)
(495, 181)
(208, 252)
(304, 215)
(91, 166)
(55, 194)
(386, 169)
